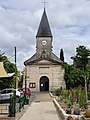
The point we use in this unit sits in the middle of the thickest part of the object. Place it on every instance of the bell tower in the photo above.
(44, 38)
(44, 71)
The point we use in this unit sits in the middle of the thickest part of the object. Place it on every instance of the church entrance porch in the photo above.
(44, 83)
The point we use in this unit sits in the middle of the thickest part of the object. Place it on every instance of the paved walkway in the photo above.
(42, 108)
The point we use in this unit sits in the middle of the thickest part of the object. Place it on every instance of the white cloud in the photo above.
(19, 21)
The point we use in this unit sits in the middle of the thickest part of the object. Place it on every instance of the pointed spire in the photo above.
(44, 28)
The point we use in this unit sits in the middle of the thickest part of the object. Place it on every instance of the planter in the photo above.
(76, 112)
(63, 114)
(68, 111)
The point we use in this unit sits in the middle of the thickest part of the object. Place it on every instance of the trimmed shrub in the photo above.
(56, 92)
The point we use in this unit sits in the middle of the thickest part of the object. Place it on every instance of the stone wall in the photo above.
(55, 74)
(7, 118)
(4, 108)
(4, 111)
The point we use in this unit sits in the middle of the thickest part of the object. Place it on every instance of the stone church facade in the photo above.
(44, 71)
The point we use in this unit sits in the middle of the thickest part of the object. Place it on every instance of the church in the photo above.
(44, 71)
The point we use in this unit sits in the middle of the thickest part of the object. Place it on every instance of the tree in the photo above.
(10, 68)
(81, 61)
(76, 75)
(73, 76)
(62, 55)
(81, 58)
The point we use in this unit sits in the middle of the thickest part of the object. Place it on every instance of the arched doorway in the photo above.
(44, 83)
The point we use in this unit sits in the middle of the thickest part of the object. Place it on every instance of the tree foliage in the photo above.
(62, 55)
(74, 75)
(10, 68)
(82, 57)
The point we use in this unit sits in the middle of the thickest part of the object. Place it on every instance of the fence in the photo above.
(7, 107)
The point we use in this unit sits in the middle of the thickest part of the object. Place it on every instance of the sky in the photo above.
(19, 21)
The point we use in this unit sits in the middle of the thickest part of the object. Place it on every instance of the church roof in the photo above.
(44, 28)
(34, 59)
(44, 31)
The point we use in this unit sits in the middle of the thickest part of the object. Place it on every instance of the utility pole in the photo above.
(15, 55)
(15, 85)
(14, 92)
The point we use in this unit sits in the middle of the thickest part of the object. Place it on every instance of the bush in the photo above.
(65, 100)
(65, 94)
(56, 92)
(69, 104)
(82, 98)
(87, 113)
(85, 105)
(71, 98)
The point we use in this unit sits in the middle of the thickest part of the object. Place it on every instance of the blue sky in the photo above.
(19, 20)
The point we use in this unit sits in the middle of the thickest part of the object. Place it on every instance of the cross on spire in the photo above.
(44, 2)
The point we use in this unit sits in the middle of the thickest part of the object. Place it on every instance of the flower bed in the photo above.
(72, 102)
(63, 113)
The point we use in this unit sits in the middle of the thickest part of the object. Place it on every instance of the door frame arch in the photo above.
(44, 83)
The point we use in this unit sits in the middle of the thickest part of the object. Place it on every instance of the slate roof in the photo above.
(34, 59)
(44, 28)
(44, 31)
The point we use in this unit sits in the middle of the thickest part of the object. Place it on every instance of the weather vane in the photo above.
(44, 2)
